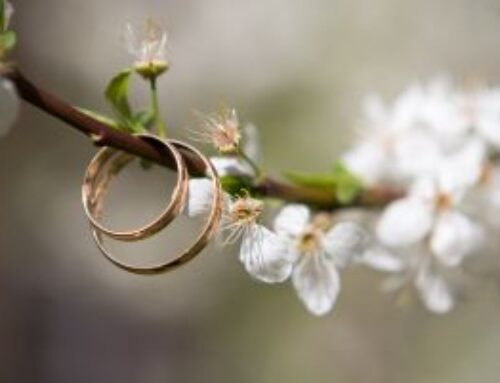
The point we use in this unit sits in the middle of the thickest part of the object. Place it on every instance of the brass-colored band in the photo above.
(204, 237)
(105, 165)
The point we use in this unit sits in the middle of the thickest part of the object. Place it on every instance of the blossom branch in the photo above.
(104, 135)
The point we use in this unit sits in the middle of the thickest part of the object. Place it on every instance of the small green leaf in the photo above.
(348, 186)
(8, 41)
(326, 181)
(340, 182)
(235, 185)
(339, 169)
(346, 193)
(117, 94)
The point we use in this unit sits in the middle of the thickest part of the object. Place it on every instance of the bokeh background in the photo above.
(299, 70)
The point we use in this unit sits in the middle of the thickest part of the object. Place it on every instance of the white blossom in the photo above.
(306, 248)
(395, 144)
(434, 291)
(262, 252)
(414, 268)
(318, 252)
(440, 115)
(437, 144)
(479, 111)
(231, 163)
(432, 211)
(148, 46)
(452, 235)
(221, 130)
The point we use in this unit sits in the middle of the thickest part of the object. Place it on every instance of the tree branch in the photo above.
(104, 135)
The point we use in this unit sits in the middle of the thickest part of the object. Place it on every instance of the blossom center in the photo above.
(226, 137)
(246, 210)
(486, 174)
(443, 201)
(309, 242)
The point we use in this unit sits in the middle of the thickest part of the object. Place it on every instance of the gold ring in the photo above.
(204, 237)
(98, 177)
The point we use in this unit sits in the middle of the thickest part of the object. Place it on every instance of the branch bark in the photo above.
(104, 135)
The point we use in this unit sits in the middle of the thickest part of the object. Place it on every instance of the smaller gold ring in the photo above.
(204, 237)
(98, 177)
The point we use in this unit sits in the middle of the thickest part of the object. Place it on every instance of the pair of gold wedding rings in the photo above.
(109, 162)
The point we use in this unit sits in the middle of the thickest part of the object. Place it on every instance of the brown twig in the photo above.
(104, 135)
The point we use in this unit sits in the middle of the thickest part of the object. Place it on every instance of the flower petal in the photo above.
(345, 242)
(292, 220)
(454, 237)
(434, 291)
(132, 40)
(463, 169)
(9, 106)
(317, 283)
(199, 197)
(230, 166)
(425, 189)
(266, 256)
(368, 161)
(416, 153)
(8, 12)
(251, 145)
(381, 259)
(404, 222)
(493, 189)
(487, 124)
(407, 108)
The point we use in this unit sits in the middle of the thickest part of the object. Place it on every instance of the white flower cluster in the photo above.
(434, 143)
(438, 144)
(310, 248)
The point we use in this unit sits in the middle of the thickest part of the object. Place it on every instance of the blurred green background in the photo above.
(299, 70)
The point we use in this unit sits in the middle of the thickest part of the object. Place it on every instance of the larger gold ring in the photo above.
(105, 165)
(204, 237)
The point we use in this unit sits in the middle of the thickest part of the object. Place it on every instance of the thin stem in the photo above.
(103, 135)
(158, 122)
(256, 169)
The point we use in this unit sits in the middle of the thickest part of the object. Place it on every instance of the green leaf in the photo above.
(326, 181)
(348, 186)
(117, 94)
(347, 192)
(7, 41)
(340, 182)
(235, 185)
